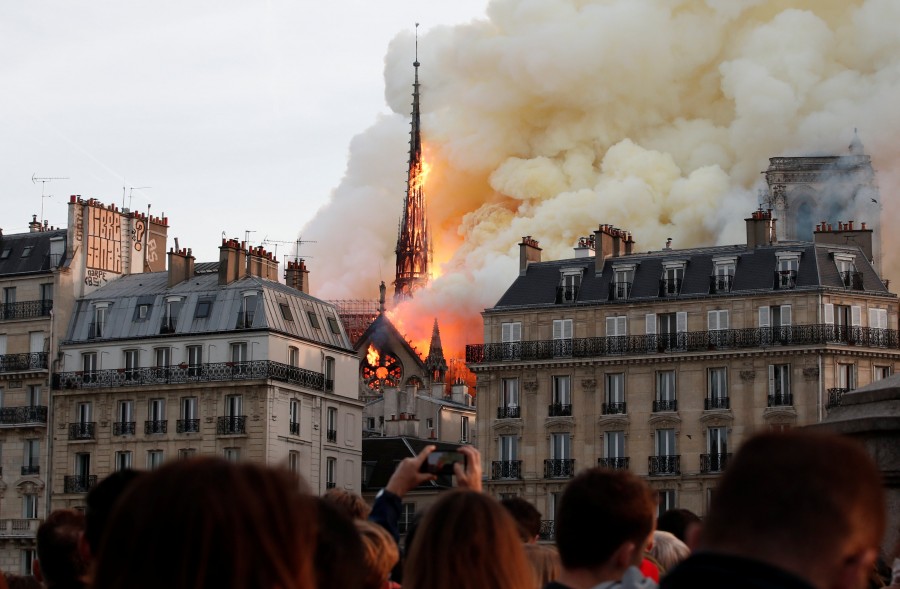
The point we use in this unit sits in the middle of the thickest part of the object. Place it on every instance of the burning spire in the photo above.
(435, 363)
(413, 246)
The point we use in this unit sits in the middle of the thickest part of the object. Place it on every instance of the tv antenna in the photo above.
(297, 243)
(43, 181)
(131, 190)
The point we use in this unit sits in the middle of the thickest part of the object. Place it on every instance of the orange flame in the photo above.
(420, 176)
(372, 356)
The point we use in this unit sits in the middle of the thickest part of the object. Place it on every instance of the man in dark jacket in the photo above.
(794, 510)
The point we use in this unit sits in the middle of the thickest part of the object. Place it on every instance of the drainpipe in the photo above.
(438, 428)
(51, 365)
(821, 379)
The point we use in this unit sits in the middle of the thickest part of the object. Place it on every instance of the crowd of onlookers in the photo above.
(794, 510)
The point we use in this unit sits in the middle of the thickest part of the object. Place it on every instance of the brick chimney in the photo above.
(529, 252)
(845, 234)
(232, 261)
(610, 242)
(34, 226)
(297, 276)
(760, 228)
(180, 266)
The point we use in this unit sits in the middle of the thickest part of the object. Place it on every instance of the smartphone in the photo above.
(441, 463)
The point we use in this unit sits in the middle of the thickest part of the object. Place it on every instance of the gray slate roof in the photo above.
(36, 260)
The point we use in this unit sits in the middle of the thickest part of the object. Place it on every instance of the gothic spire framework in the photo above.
(413, 245)
(435, 363)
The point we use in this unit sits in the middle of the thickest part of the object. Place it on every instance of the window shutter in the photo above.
(855, 315)
(771, 379)
(681, 321)
(567, 329)
(785, 315)
(763, 316)
(712, 320)
(650, 324)
(829, 313)
(723, 319)
(506, 332)
(516, 332)
(873, 318)
(557, 329)
(611, 326)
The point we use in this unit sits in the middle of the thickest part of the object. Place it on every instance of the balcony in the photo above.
(781, 400)
(619, 290)
(665, 405)
(559, 468)
(785, 279)
(168, 325)
(123, 428)
(692, 341)
(506, 469)
(721, 283)
(835, 396)
(231, 425)
(548, 530)
(83, 430)
(25, 310)
(156, 426)
(331, 436)
(79, 483)
(295, 428)
(712, 403)
(31, 469)
(713, 462)
(559, 410)
(509, 412)
(613, 408)
(619, 463)
(669, 287)
(27, 415)
(19, 528)
(187, 426)
(23, 362)
(566, 294)
(852, 280)
(664, 465)
(186, 374)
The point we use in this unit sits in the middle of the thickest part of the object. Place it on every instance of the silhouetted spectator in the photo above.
(668, 550)
(795, 509)
(527, 517)
(683, 524)
(544, 561)
(98, 506)
(337, 543)
(350, 503)
(21, 582)
(59, 564)
(380, 554)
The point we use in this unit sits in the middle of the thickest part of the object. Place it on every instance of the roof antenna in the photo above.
(43, 181)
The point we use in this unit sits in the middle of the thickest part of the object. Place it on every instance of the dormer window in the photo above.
(672, 278)
(170, 315)
(623, 277)
(569, 284)
(247, 310)
(722, 279)
(98, 325)
(846, 267)
(786, 270)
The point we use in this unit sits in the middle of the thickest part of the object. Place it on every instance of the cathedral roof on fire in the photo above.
(383, 335)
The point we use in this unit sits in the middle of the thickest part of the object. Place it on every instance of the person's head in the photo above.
(58, 559)
(526, 515)
(668, 550)
(380, 553)
(99, 505)
(21, 582)
(466, 541)
(810, 503)
(350, 503)
(604, 521)
(207, 522)
(682, 523)
(544, 562)
(337, 543)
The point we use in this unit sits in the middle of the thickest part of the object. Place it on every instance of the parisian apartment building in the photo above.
(664, 362)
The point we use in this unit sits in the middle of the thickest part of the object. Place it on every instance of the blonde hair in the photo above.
(380, 553)
(544, 561)
(668, 550)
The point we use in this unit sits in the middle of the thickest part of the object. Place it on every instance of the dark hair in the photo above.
(467, 541)
(528, 518)
(100, 503)
(351, 504)
(816, 489)
(210, 523)
(57, 548)
(337, 543)
(676, 521)
(599, 511)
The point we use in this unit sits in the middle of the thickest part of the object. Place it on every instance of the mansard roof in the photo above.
(35, 260)
(754, 273)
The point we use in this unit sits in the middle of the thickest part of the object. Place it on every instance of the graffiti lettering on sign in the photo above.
(137, 234)
(95, 278)
(79, 230)
(104, 240)
(151, 251)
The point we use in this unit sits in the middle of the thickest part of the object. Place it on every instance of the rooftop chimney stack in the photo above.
(760, 228)
(180, 266)
(297, 276)
(610, 242)
(34, 226)
(846, 234)
(232, 261)
(529, 251)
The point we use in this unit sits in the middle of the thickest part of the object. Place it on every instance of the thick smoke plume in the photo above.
(548, 118)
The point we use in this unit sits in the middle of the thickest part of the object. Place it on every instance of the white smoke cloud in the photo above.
(549, 117)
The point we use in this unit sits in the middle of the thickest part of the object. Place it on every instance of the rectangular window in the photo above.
(171, 308)
(89, 366)
(464, 430)
(846, 376)
(670, 284)
(154, 459)
(562, 337)
(293, 356)
(616, 326)
(407, 516)
(294, 416)
(330, 472)
(32, 457)
(429, 423)
(511, 337)
(185, 453)
(878, 318)
(99, 324)
(621, 286)
(313, 319)
(666, 500)
(123, 460)
(560, 446)
(142, 312)
(232, 454)
(83, 412)
(880, 372)
(562, 391)
(28, 557)
(156, 409)
(163, 357)
(195, 360)
(509, 394)
(83, 464)
(33, 398)
(717, 440)
(189, 408)
(780, 385)
(294, 461)
(286, 312)
(614, 446)
(508, 447)
(125, 411)
(569, 284)
(30, 506)
(329, 373)
(239, 352)
(615, 393)
(665, 442)
(132, 364)
(333, 326)
(247, 312)
(204, 306)
(665, 390)
(370, 423)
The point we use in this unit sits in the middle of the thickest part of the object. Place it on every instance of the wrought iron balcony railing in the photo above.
(82, 430)
(187, 426)
(559, 410)
(835, 397)
(295, 428)
(665, 405)
(711, 403)
(123, 428)
(184, 374)
(31, 469)
(566, 294)
(619, 290)
(25, 309)
(852, 280)
(156, 426)
(548, 529)
(691, 341)
(721, 283)
(506, 469)
(331, 435)
(781, 400)
(27, 415)
(509, 412)
(617, 408)
(713, 462)
(231, 425)
(19, 528)
(619, 463)
(22, 362)
(664, 465)
(669, 287)
(79, 483)
(785, 279)
(559, 468)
